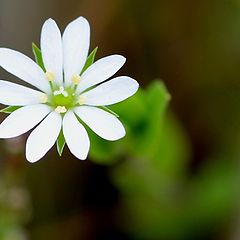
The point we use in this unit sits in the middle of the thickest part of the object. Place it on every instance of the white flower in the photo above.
(63, 96)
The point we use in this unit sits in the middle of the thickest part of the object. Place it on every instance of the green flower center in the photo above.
(64, 97)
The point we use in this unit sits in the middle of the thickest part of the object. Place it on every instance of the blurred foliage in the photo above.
(159, 202)
(142, 116)
(158, 199)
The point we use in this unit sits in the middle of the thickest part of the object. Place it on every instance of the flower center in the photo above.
(64, 97)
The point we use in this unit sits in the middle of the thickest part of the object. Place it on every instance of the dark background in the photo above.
(194, 47)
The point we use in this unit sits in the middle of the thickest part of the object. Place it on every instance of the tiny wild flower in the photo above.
(69, 89)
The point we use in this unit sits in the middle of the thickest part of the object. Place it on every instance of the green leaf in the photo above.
(10, 109)
(38, 56)
(143, 116)
(90, 60)
(157, 100)
(104, 152)
(60, 143)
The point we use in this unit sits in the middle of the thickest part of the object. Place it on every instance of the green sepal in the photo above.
(10, 109)
(60, 143)
(90, 60)
(38, 56)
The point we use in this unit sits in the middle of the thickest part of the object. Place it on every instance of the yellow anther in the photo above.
(76, 79)
(50, 76)
(43, 98)
(60, 109)
(81, 100)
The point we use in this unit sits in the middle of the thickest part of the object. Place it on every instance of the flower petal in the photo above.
(16, 95)
(51, 47)
(76, 41)
(22, 120)
(101, 122)
(76, 136)
(111, 92)
(100, 71)
(23, 67)
(43, 137)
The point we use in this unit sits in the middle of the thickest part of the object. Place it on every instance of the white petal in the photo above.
(23, 67)
(76, 40)
(101, 122)
(111, 92)
(16, 95)
(76, 136)
(22, 120)
(51, 46)
(100, 71)
(43, 137)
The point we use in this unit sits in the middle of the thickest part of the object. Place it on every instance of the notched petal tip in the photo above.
(121, 58)
(133, 84)
(136, 84)
(81, 19)
(117, 138)
(84, 158)
(49, 22)
(117, 58)
(122, 136)
(31, 159)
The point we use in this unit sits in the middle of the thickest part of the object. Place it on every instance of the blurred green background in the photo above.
(175, 176)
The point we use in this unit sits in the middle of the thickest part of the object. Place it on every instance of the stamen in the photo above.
(60, 109)
(50, 76)
(55, 93)
(81, 100)
(43, 98)
(76, 79)
(61, 91)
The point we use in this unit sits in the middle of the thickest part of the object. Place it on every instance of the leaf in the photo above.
(132, 110)
(157, 100)
(60, 143)
(38, 56)
(174, 149)
(104, 152)
(143, 114)
(10, 109)
(90, 60)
